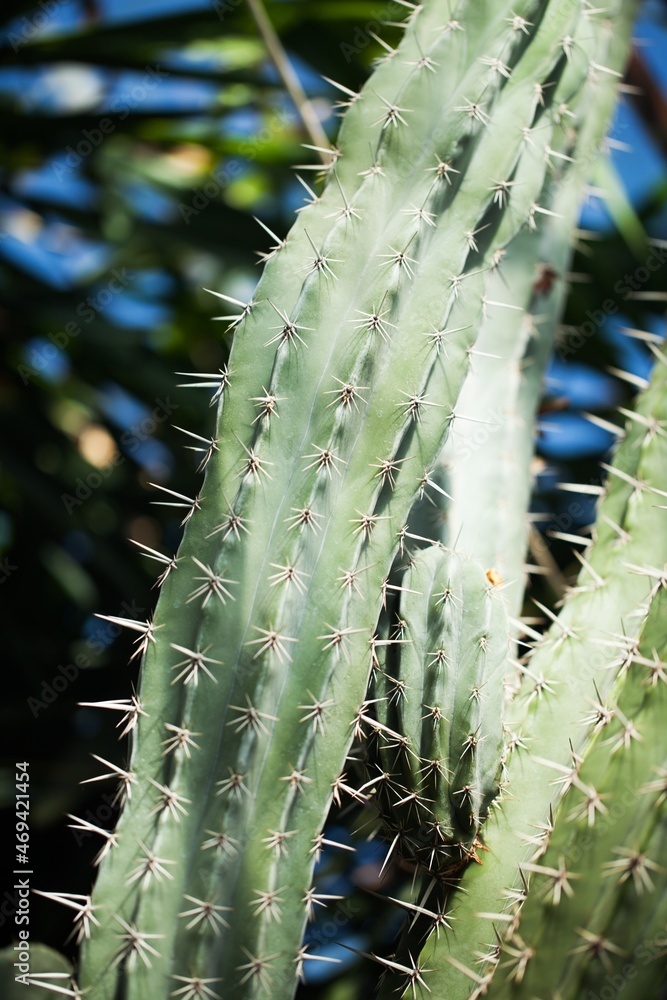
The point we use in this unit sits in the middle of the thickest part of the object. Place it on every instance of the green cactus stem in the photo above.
(598, 878)
(341, 387)
(438, 740)
(577, 662)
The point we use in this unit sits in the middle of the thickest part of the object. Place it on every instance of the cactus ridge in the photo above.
(438, 739)
(575, 665)
(342, 385)
(253, 652)
(485, 473)
(599, 875)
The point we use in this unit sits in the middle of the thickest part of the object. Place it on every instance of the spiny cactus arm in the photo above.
(487, 514)
(442, 692)
(256, 662)
(644, 962)
(577, 661)
(598, 877)
(487, 461)
(484, 471)
(646, 947)
(639, 924)
(485, 466)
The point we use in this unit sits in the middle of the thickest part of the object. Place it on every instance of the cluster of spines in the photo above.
(341, 355)
(594, 640)
(598, 876)
(435, 721)
(480, 520)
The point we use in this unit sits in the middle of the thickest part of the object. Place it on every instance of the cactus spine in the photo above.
(552, 721)
(342, 387)
(598, 910)
(438, 736)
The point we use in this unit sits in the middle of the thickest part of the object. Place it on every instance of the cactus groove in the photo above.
(599, 878)
(257, 658)
(554, 718)
(343, 384)
(437, 744)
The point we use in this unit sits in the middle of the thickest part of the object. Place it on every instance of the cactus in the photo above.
(438, 739)
(598, 912)
(485, 466)
(553, 719)
(342, 386)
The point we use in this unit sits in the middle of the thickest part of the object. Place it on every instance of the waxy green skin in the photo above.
(577, 663)
(342, 386)
(264, 597)
(485, 464)
(613, 853)
(443, 690)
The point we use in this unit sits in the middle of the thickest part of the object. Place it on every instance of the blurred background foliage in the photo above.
(139, 142)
